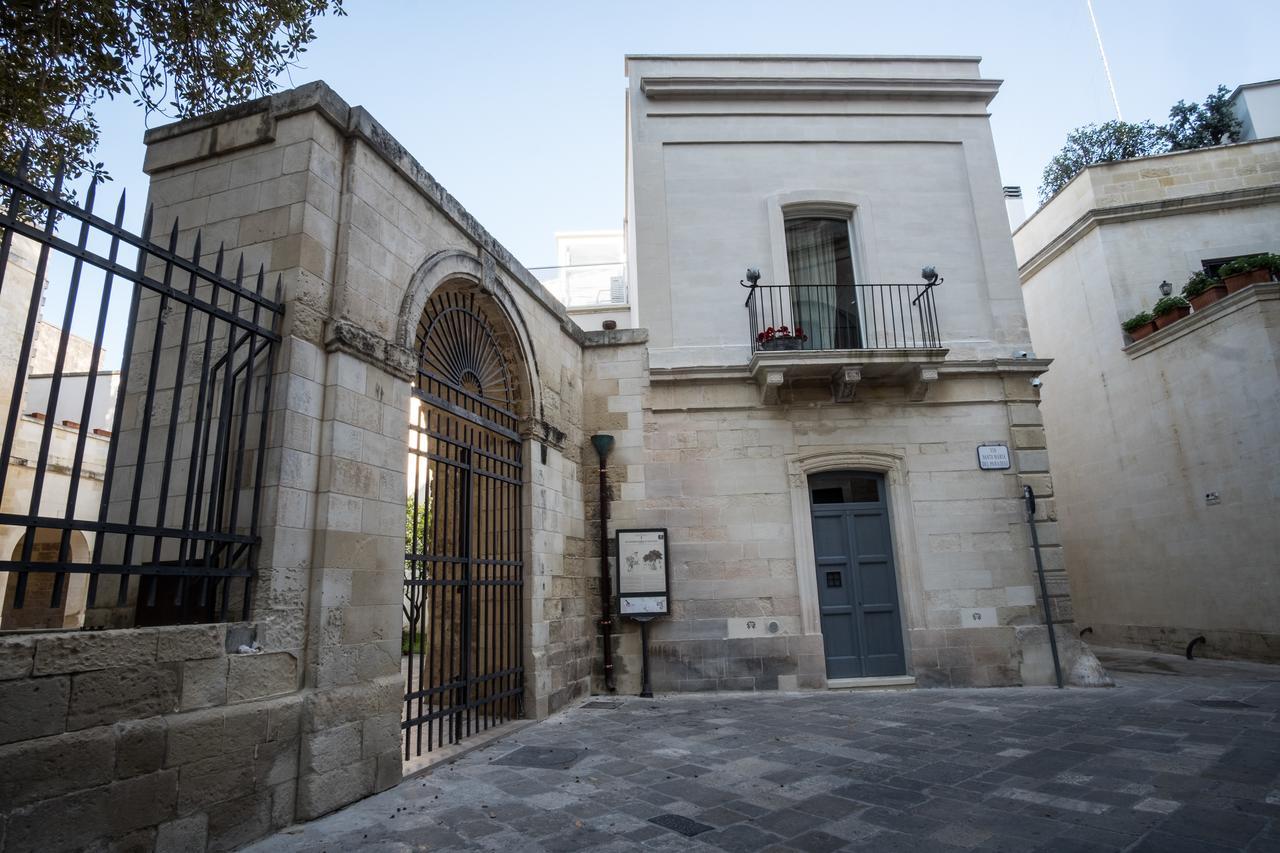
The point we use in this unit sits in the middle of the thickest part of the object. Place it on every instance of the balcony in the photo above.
(844, 334)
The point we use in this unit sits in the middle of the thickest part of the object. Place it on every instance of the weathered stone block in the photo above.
(332, 748)
(1032, 461)
(276, 762)
(126, 693)
(83, 652)
(380, 735)
(204, 683)
(284, 799)
(17, 655)
(214, 780)
(236, 822)
(390, 770)
(69, 823)
(329, 708)
(245, 725)
(193, 737)
(191, 642)
(52, 766)
(183, 835)
(1028, 438)
(321, 793)
(143, 801)
(140, 746)
(259, 676)
(33, 707)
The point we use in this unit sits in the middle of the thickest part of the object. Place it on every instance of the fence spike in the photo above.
(217, 264)
(195, 252)
(24, 160)
(279, 288)
(120, 210)
(91, 194)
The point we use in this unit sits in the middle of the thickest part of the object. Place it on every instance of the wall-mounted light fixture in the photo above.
(1165, 288)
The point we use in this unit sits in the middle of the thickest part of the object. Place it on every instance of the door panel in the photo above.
(857, 583)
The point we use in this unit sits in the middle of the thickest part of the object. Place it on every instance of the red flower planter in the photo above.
(1206, 298)
(1142, 331)
(1171, 317)
(1241, 280)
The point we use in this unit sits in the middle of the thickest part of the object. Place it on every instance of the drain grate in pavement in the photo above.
(1225, 704)
(681, 824)
(545, 757)
(602, 705)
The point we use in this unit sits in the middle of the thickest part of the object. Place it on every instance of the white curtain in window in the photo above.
(811, 261)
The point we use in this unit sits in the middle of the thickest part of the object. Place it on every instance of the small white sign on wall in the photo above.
(993, 457)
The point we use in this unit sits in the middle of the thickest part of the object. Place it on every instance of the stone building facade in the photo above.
(222, 733)
(1168, 474)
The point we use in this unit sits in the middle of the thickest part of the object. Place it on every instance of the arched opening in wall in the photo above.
(462, 644)
(51, 600)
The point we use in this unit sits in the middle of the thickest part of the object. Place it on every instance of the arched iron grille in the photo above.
(464, 576)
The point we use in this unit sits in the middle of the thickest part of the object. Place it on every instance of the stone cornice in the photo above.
(345, 336)
(615, 337)
(1090, 219)
(818, 88)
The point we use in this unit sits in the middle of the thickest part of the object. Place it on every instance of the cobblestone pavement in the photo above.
(1179, 757)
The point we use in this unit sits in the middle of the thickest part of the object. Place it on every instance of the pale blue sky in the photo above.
(517, 108)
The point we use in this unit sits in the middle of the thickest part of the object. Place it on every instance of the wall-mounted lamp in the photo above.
(1165, 288)
(930, 275)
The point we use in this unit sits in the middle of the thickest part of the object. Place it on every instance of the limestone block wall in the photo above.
(1144, 434)
(149, 738)
(728, 479)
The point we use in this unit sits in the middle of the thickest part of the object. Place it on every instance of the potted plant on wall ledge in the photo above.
(781, 338)
(1170, 310)
(1202, 290)
(1139, 325)
(1254, 269)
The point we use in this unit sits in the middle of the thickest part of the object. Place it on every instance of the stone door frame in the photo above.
(891, 464)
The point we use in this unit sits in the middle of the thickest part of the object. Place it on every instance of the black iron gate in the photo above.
(156, 467)
(464, 576)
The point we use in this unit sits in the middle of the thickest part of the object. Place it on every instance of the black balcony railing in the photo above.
(842, 316)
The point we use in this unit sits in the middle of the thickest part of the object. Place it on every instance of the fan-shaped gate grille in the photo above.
(463, 602)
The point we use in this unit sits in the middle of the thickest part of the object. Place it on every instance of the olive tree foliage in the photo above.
(1099, 143)
(1190, 126)
(177, 58)
(1201, 125)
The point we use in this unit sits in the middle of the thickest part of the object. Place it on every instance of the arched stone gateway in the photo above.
(464, 573)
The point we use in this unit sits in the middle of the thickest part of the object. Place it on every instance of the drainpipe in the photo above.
(603, 444)
(1030, 497)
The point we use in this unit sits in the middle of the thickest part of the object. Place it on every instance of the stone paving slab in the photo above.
(1180, 756)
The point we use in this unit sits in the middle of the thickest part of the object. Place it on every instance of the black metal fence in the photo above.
(152, 471)
(836, 317)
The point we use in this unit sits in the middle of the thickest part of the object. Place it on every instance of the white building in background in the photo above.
(63, 427)
(590, 277)
(1167, 467)
(1257, 105)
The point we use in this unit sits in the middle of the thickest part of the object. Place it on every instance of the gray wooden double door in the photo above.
(857, 581)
